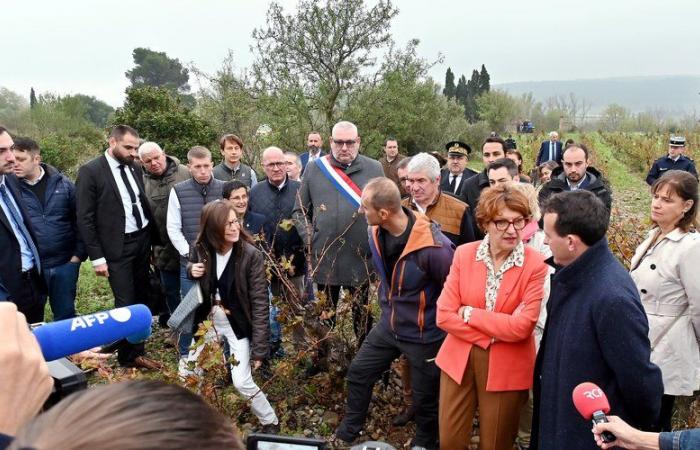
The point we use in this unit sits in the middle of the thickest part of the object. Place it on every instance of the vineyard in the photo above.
(313, 407)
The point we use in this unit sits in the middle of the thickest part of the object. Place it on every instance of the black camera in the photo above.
(67, 378)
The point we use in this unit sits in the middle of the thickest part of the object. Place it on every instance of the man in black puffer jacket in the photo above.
(577, 174)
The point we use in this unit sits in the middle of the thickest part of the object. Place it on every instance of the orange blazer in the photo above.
(507, 330)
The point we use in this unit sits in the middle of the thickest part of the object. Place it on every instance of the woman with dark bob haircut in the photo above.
(664, 268)
(231, 274)
(489, 307)
(131, 415)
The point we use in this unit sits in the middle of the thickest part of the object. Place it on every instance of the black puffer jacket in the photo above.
(594, 183)
(249, 286)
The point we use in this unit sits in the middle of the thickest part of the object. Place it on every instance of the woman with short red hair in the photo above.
(488, 307)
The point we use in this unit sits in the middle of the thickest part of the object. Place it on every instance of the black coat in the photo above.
(101, 218)
(10, 258)
(596, 331)
(471, 190)
(445, 182)
(593, 183)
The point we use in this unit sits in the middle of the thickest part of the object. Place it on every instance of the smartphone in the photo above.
(259, 441)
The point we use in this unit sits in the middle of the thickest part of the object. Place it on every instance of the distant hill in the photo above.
(674, 95)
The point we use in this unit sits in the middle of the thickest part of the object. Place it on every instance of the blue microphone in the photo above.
(70, 336)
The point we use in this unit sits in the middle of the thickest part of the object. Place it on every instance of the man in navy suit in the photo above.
(550, 150)
(314, 144)
(20, 267)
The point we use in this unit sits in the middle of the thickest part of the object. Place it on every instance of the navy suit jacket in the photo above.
(10, 258)
(304, 157)
(543, 154)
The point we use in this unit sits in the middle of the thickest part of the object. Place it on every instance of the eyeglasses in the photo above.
(341, 144)
(276, 164)
(233, 223)
(502, 225)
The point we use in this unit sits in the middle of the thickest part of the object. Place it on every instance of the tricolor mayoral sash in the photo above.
(340, 180)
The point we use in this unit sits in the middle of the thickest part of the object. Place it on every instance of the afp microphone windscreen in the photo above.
(70, 336)
(588, 399)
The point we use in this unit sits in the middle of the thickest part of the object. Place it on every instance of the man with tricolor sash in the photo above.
(326, 217)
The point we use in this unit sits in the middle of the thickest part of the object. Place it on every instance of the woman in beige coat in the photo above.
(664, 269)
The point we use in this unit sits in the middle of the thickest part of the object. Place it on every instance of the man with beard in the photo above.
(116, 224)
(20, 266)
(314, 144)
(577, 174)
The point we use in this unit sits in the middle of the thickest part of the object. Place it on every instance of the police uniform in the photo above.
(666, 163)
(450, 184)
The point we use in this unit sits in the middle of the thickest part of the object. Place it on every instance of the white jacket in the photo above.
(667, 278)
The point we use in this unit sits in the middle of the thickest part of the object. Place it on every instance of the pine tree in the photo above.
(450, 90)
(484, 80)
(32, 98)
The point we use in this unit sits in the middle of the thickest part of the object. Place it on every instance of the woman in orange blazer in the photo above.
(489, 307)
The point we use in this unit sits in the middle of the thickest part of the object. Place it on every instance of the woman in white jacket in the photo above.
(664, 268)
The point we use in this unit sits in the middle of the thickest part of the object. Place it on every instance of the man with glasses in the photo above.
(116, 224)
(326, 217)
(185, 204)
(274, 200)
(20, 267)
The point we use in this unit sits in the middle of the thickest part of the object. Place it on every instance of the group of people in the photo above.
(497, 296)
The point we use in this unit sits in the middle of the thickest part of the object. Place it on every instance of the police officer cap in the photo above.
(458, 148)
(677, 141)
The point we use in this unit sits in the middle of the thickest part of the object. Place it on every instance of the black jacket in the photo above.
(596, 331)
(471, 190)
(101, 218)
(445, 182)
(248, 285)
(593, 183)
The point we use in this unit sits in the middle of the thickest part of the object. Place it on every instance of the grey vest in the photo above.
(243, 174)
(192, 197)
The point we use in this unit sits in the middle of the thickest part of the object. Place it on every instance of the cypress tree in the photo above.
(450, 90)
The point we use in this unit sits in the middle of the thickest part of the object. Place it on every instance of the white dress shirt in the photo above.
(130, 221)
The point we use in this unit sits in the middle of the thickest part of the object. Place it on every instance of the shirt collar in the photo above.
(577, 185)
(516, 257)
(42, 172)
(279, 188)
(112, 161)
(232, 169)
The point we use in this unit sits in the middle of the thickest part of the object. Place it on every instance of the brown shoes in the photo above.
(146, 363)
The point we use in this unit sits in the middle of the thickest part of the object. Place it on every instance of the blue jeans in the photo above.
(185, 339)
(171, 284)
(62, 285)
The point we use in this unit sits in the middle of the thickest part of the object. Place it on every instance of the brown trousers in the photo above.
(405, 373)
(499, 412)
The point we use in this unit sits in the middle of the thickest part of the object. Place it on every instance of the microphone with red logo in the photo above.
(592, 404)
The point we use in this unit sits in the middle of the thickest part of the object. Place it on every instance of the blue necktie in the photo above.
(17, 219)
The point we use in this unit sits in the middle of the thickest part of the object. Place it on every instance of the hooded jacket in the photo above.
(408, 295)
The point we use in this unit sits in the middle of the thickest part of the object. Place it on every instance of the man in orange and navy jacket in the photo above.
(412, 259)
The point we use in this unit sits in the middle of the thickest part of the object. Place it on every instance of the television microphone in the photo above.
(70, 336)
(592, 404)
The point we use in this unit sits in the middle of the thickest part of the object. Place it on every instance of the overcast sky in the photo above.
(84, 46)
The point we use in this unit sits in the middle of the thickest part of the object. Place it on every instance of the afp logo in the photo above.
(594, 394)
(87, 321)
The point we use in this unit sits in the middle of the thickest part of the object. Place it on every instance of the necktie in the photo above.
(132, 196)
(17, 219)
(453, 183)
